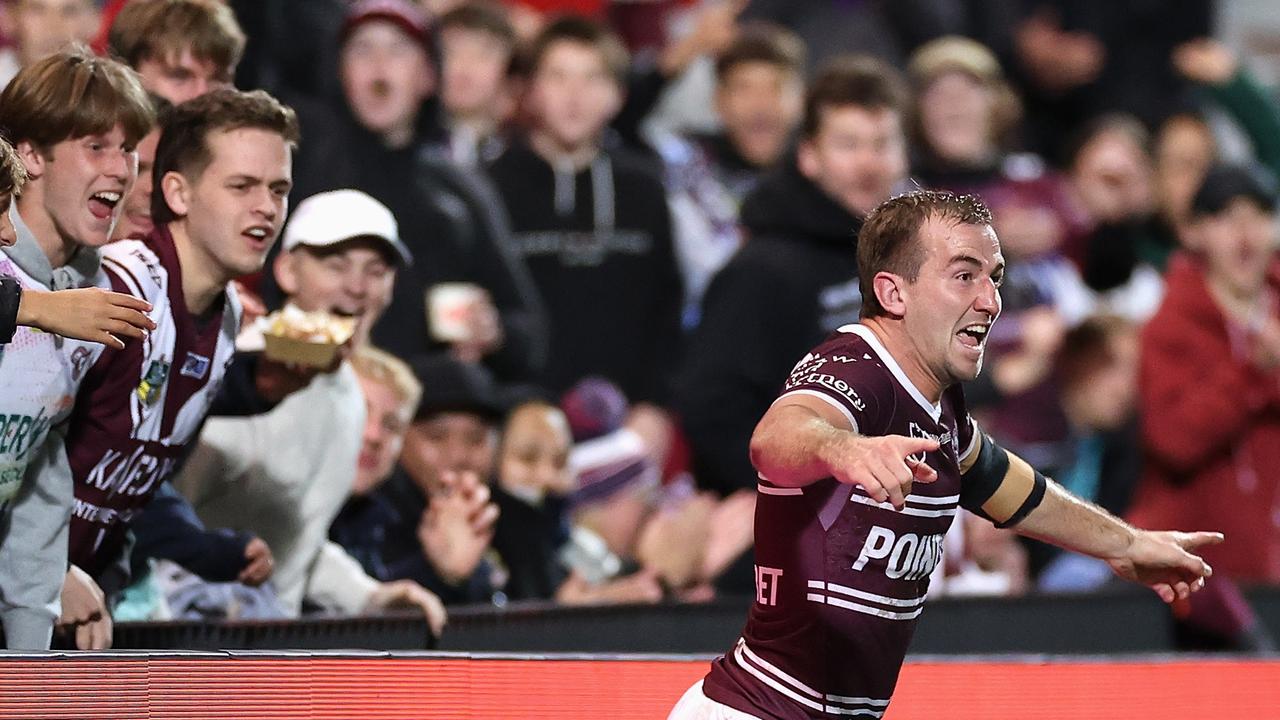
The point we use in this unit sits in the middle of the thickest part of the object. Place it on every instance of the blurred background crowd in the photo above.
(601, 232)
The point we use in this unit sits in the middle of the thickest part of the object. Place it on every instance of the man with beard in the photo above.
(863, 462)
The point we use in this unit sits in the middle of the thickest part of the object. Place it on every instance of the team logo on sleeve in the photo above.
(945, 439)
(149, 389)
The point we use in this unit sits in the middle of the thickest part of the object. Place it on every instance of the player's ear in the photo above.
(889, 289)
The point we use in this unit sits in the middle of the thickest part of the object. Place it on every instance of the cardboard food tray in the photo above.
(301, 352)
(314, 353)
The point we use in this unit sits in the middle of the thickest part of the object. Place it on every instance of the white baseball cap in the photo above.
(332, 217)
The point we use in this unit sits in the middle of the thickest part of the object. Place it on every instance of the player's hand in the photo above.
(259, 563)
(407, 593)
(883, 466)
(84, 611)
(91, 314)
(1161, 561)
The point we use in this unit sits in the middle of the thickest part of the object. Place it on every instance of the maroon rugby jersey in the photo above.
(139, 407)
(840, 578)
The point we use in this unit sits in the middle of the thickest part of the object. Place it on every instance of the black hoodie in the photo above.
(794, 281)
(597, 242)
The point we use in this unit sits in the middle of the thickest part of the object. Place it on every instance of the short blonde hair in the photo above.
(390, 371)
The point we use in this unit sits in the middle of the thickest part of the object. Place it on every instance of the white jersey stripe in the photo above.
(845, 700)
(973, 441)
(864, 609)
(915, 512)
(770, 490)
(742, 662)
(864, 595)
(765, 664)
(770, 675)
(848, 711)
(927, 500)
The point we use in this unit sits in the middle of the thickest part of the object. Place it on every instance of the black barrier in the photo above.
(1118, 622)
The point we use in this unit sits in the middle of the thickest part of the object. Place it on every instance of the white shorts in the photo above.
(696, 706)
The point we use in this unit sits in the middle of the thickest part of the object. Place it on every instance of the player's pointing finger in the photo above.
(1199, 539)
(908, 446)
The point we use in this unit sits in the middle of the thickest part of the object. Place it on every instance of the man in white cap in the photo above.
(284, 475)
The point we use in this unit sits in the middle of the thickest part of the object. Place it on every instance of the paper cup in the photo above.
(448, 308)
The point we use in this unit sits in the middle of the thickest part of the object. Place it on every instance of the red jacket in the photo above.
(1211, 429)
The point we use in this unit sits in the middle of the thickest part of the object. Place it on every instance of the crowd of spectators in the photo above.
(583, 244)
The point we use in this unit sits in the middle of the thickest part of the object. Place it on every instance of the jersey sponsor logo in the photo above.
(132, 475)
(828, 381)
(20, 433)
(102, 515)
(151, 264)
(767, 585)
(908, 556)
(149, 389)
(195, 366)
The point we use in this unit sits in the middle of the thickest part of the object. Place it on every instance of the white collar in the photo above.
(864, 332)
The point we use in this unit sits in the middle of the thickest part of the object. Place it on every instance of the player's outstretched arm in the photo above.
(91, 314)
(802, 440)
(1163, 561)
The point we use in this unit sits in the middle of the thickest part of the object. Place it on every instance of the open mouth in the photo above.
(259, 234)
(974, 335)
(103, 203)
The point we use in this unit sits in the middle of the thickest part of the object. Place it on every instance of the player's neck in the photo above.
(202, 278)
(908, 355)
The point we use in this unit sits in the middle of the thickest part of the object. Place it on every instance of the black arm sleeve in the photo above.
(987, 476)
(10, 299)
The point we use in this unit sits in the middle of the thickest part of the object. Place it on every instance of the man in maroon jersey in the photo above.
(865, 459)
(222, 178)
